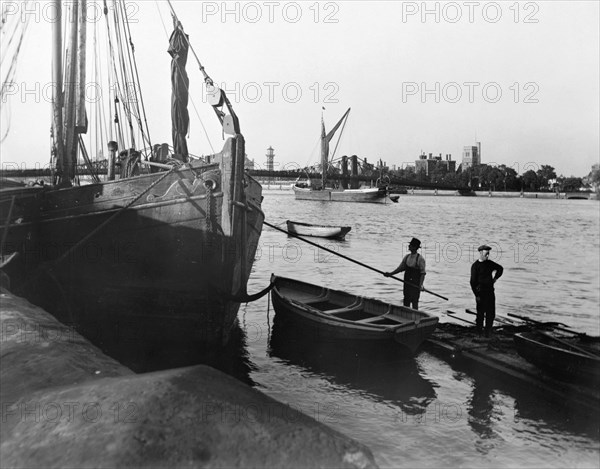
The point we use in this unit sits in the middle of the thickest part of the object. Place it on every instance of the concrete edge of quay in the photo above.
(65, 403)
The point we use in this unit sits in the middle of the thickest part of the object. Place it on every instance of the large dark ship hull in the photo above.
(166, 253)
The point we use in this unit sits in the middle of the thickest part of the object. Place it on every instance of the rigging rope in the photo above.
(125, 98)
(112, 66)
(137, 80)
(12, 69)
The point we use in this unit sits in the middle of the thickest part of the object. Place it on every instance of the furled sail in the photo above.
(180, 119)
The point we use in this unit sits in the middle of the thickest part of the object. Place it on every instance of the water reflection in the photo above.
(480, 408)
(380, 371)
(487, 407)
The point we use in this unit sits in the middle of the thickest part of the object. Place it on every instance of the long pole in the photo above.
(57, 93)
(349, 259)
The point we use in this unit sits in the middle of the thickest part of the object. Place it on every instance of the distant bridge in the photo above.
(394, 181)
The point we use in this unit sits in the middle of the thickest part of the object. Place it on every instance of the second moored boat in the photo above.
(320, 231)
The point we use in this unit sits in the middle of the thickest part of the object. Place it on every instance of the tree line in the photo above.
(499, 178)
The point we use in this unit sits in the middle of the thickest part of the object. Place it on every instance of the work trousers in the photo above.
(486, 309)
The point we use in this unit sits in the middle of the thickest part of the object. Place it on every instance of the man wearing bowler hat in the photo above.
(413, 266)
(484, 274)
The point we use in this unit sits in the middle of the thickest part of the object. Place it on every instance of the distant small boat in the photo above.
(560, 357)
(321, 231)
(343, 316)
(394, 198)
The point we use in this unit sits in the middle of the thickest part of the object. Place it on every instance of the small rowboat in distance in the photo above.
(321, 231)
(565, 358)
(338, 315)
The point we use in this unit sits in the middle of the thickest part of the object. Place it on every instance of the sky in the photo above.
(522, 78)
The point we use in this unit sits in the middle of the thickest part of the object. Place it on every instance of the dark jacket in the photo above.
(481, 276)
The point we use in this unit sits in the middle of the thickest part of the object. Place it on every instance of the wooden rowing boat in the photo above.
(495, 360)
(559, 356)
(321, 231)
(338, 315)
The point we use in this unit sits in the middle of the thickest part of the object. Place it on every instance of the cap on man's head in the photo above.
(484, 247)
(415, 242)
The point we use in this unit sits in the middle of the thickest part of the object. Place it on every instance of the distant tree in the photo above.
(544, 174)
(438, 172)
(530, 180)
(421, 175)
(451, 179)
(594, 178)
(510, 178)
(570, 184)
(495, 179)
(404, 173)
(465, 177)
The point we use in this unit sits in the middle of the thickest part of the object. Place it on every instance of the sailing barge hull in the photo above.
(172, 250)
(371, 195)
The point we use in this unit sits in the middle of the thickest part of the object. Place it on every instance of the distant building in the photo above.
(589, 179)
(428, 163)
(471, 156)
(270, 159)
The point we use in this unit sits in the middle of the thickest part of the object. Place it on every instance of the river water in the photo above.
(420, 412)
(417, 411)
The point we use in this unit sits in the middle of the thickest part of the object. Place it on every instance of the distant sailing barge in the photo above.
(319, 191)
(167, 239)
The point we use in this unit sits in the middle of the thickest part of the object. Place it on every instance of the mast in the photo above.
(325, 139)
(324, 153)
(81, 121)
(57, 95)
(68, 160)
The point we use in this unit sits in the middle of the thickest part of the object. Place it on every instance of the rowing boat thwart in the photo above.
(343, 316)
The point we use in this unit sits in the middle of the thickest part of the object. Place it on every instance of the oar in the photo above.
(452, 315)
(350, 259)
(553, 325)
(535, 321)
(508, 322)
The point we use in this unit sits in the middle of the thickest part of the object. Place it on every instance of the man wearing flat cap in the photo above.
(413, 266)
(484, 274)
